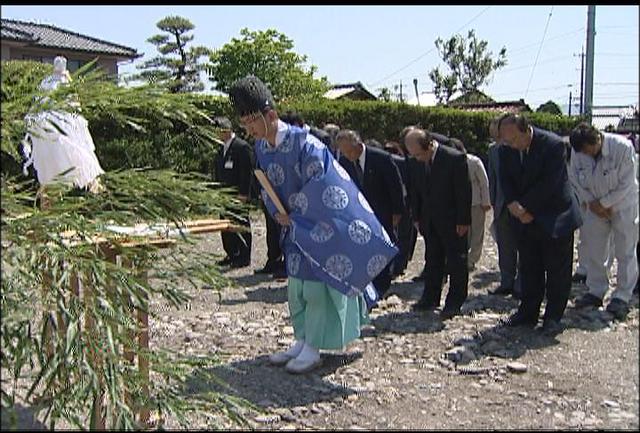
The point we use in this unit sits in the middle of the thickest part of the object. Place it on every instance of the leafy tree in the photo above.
(469, 62)
(269, 56)
(181, 73)
(549, 107)
(384, 94)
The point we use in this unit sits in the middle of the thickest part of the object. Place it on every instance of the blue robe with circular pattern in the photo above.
(334, 235)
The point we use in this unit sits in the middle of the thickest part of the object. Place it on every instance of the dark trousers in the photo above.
(274, 251)
(446, 251)
(507, 242)
(407, 236)
(383, 281)
(546, 265)
(237, 245)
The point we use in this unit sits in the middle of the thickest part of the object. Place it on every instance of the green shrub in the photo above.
(165, 143)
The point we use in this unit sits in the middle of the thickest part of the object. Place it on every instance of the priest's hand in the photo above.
(396, 219)
(516, 209)
(462, 230)
(526, 218)
(283, 219)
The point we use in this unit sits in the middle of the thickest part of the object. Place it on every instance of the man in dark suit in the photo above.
(406, 230)
(378, 178)
(544, 213)
(296, 119)
(442, 210)
(234, 168)
(501, 226)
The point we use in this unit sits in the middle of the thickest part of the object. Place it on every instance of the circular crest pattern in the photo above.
(298, 202)
(335, 198)
(339, 266)
(322, 232)
(341, 171)
(375, 265)
(365, 204)
(315, 170)
(359, 232)
(275, 173)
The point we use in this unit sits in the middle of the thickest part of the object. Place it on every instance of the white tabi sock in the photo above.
(308, 354)
(296, 348)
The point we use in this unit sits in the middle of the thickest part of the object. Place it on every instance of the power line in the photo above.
(537, 90)
(427, 52)
(551, 60)
(540, 49)
(617, 54)
(524, 48)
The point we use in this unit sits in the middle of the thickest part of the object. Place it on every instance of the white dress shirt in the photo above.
(227, 144)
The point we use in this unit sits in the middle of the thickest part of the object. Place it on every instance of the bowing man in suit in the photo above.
(234, 168)
(378, 178)
(544, 212)
(444, 216)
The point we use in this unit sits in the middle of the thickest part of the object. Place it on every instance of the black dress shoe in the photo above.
(502, 290)
(551, 328)
(240, 263)
(618, 308)
(267, 269)
(280, 273)
(449, 313)
(588, 300)
(224, 262)
(518, 319)
(423, 306)
(579, 278)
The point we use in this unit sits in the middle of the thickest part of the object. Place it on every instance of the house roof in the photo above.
(603, 116)
(501, 107)
(48, 36)
(340, 90)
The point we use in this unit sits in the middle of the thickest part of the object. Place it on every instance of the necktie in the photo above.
(359, 173)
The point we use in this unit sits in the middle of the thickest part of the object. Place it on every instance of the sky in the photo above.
(381, 46)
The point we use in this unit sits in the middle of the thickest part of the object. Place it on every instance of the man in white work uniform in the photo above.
(603, 172)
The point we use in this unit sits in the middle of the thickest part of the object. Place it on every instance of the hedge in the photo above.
(165, 145)
(384, 120)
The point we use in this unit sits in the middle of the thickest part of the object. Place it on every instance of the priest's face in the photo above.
(255, 125)
(260, 125)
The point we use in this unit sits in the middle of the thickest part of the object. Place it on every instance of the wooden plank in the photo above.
(270, 191)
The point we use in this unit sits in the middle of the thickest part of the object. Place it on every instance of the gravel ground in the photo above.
(410, 370)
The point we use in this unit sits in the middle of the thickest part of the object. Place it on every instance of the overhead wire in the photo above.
(546, 27)
(427, 52)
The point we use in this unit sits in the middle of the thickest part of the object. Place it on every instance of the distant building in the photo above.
(616, 118)
(354, 91)
(498, 107)
(43, 42)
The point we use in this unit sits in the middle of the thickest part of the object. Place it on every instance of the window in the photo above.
(74, 65)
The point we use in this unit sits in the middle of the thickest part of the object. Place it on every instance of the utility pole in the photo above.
(569, 103)
(591, 33)
(581, 80)
(415, 86)
(401, 91)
